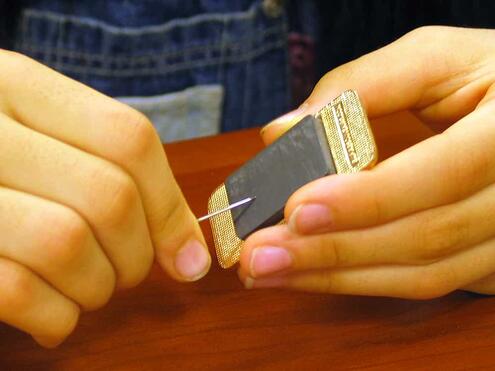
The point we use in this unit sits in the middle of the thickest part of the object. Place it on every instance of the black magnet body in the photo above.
(298, 157)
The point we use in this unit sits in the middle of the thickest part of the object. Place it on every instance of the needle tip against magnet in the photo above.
(233, 206)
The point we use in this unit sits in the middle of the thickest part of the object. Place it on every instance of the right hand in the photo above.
(420, 224)
(86, 199)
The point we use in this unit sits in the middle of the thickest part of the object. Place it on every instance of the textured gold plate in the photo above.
(227, 244)
(348, 133)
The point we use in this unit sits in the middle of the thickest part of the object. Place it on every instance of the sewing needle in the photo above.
(233, 206)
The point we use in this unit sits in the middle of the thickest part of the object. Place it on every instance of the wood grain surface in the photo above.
(216, 324)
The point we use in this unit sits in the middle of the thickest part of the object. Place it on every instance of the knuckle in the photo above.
(472, 170)
(419, 32)
(13, 64)
(469, 171)
(115, 196)
(329, 285)
(102, 290)
(14, 58)
(375, 207)
(432, 284)
(63, 235)
(369, 205)
(136, 134)
(330, 252)
(19, 293)
(133, 278)
(433, 40)
(424, 33)
(174, 217)
(135, 273)
(346, 71)
(18, 287)
(442, 235)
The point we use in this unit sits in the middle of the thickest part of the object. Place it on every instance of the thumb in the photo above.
(279, 126)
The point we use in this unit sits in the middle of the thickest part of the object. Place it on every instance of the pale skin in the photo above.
(422, 223)
(87, 201)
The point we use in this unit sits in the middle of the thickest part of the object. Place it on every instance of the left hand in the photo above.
(422, 223)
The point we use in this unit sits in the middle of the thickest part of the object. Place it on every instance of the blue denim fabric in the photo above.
(152, 47)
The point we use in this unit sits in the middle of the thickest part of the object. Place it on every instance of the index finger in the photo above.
(55, 105)
(441, 73)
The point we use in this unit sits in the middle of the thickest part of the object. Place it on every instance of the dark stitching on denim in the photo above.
(246, 98)
(173, 67)
(223, 46)
(288, 77)
(177, 23)
(238, 44)
(59, 47)
(138, 63)
(52, 56)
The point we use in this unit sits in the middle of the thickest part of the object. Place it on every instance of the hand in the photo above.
(422, 223)
(86, 200)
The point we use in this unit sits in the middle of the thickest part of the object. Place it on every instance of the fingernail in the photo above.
(310, 218)
(288, 117)
(267, 260)
(192, 261)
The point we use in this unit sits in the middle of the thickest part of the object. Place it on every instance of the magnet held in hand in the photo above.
(337, 140)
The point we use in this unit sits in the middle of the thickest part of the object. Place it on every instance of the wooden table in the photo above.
(216, 324)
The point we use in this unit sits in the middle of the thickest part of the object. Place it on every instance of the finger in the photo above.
(57, 244)
(29, 304)
(425, 71)
(411, 282)
(101, 193)
(408, 182)
(420, 239)
(485, 286)
(99, 125)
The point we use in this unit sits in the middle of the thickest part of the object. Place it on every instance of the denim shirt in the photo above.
(195, 67)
